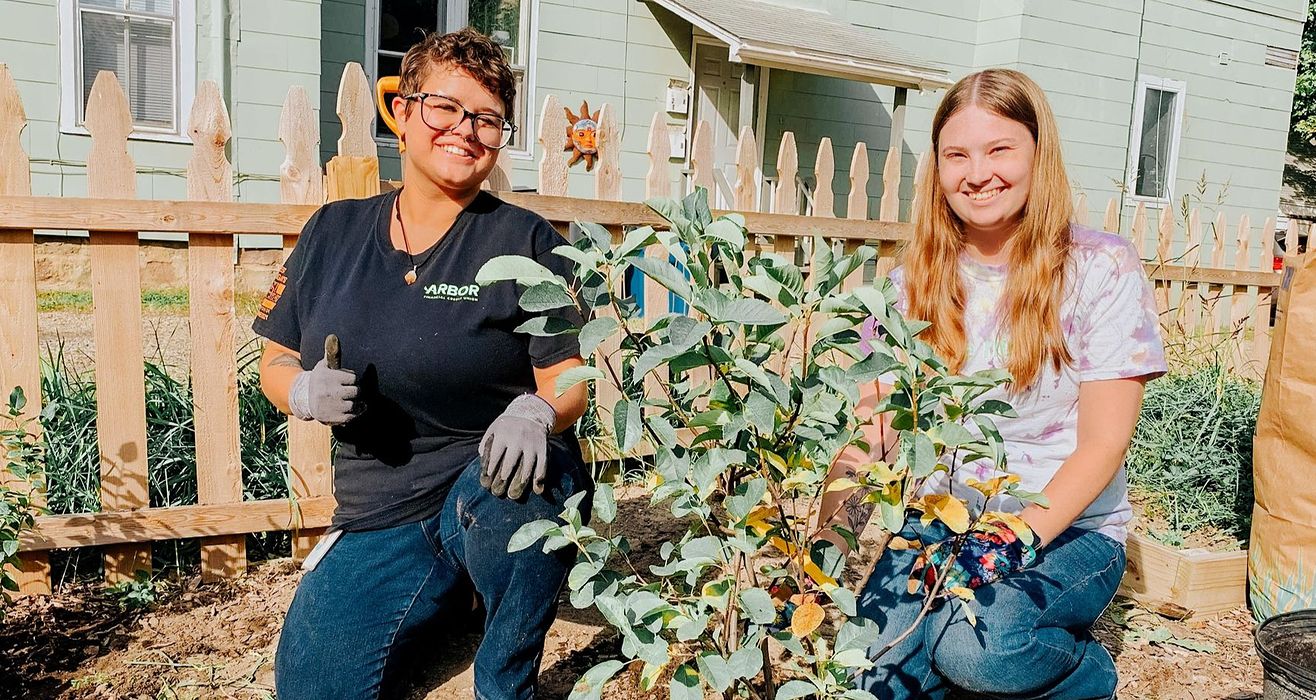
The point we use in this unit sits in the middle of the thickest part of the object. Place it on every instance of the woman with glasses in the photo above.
(450, 434)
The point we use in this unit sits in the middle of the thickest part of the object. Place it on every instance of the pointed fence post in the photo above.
(702, 161)
(747, 166)
(213, 326)
(553, 132)
(607, 180)
(302, 182)
(354, 172)
(117, 320)
(19, 347)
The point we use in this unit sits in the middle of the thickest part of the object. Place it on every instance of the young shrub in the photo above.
(756, 395)
(22, 479)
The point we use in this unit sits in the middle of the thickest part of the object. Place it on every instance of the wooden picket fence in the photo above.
(126, 525)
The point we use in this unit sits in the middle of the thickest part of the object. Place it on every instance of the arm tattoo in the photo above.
(286, 360)
(857, 513)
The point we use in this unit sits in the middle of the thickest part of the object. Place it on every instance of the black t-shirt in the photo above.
(436, 360)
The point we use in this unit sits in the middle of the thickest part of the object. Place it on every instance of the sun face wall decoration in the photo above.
(582, 136)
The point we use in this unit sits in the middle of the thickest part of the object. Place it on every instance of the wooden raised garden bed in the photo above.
(1182, 582)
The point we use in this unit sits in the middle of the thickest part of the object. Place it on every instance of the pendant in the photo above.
(410, 277)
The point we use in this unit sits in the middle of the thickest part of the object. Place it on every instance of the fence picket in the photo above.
(1139, 231)
(889, 208)
(824, 171)
(117, 319)
(213, 327)
(1190, 298)
(1165, 234)
(19, 346)
(702, 160)
(354, 172)
(1238, 307)
(607, 181)
(308, 441)
(1112, 220)
(856, 204)
(1214, 324)
(747, 168)
(553, 129)
(1260, 322)
(1081, 209)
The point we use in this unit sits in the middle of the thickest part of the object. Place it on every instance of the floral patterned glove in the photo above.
(985, 554)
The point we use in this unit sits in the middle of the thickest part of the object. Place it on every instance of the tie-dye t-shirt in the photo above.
(1110, 325)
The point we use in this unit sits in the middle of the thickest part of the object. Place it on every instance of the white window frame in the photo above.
(70, 83)
(1180, 90)
(456, 13)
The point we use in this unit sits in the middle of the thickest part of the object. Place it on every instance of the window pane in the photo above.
(387, 65)
(518, 112)
(402, 21)
(141, 54)
(159, 7)
(1153, 166)
(500, 20)
(104, 4)
(151, 65)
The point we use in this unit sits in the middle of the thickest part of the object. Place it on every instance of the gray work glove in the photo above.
(325, 393)
(514, 450)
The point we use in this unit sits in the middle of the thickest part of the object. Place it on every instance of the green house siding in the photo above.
(254, 69)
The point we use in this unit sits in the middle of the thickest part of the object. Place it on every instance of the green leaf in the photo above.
(750, 312)
(529, 534)
(761, 412)
(586, 259)
(544, 296)
(590, 685)
(685, 684)
(514, 267)
(757, 604)
(919, 454)
(636, 240)
(715, 671)
(666, 274)
(627, 418)
(795, 689)
(747, 496)
(727, 231)
(595, 332)
(605, 503)
(575, 375)
(598, 235)
(17, 400)
(857, 633)
(685, 332)
(993, 407)
(544, 326)
(746, 662)
(853, 658)
(844, 599)
(952, 435)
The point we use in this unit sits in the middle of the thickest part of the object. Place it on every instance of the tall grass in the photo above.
(68, 420)
(1191, 454)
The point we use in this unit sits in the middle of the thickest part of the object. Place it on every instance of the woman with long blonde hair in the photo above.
(1008, 282)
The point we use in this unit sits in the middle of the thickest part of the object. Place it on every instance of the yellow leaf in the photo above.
(947, 509)
(758, 519)
(817, 575)
(993, 486)
(806, 619)
(961, 592)
(881, 473)
(899, 544)
(843, 485)
(968, 611)
(783, 546)
(1015, 523)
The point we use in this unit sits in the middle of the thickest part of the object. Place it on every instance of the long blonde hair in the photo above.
(1038, 250)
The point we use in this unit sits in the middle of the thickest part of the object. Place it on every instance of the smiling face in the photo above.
(453, 160)
(985, 169)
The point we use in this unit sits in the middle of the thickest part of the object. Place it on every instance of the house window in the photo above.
(1154, 142)
(150, 47)
(401, 23)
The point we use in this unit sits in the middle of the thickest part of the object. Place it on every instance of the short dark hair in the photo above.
(467, 50)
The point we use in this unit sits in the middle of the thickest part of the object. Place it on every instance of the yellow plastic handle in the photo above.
(383, 87)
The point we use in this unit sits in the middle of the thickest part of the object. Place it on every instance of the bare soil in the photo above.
(217, 640)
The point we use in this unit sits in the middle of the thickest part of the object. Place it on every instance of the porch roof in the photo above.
(807, 41)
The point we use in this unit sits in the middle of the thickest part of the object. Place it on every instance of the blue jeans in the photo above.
(357, 619)
(1032, 639)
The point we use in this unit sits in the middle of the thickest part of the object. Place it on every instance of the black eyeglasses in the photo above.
(442, 113)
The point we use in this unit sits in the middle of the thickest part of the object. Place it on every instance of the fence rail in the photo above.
(1195, 297)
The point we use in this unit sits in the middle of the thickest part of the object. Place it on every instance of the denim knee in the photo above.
(988, 659)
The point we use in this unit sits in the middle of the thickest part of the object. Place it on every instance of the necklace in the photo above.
(411, 275)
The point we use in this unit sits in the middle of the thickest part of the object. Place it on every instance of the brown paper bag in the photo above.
(1282, 555)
